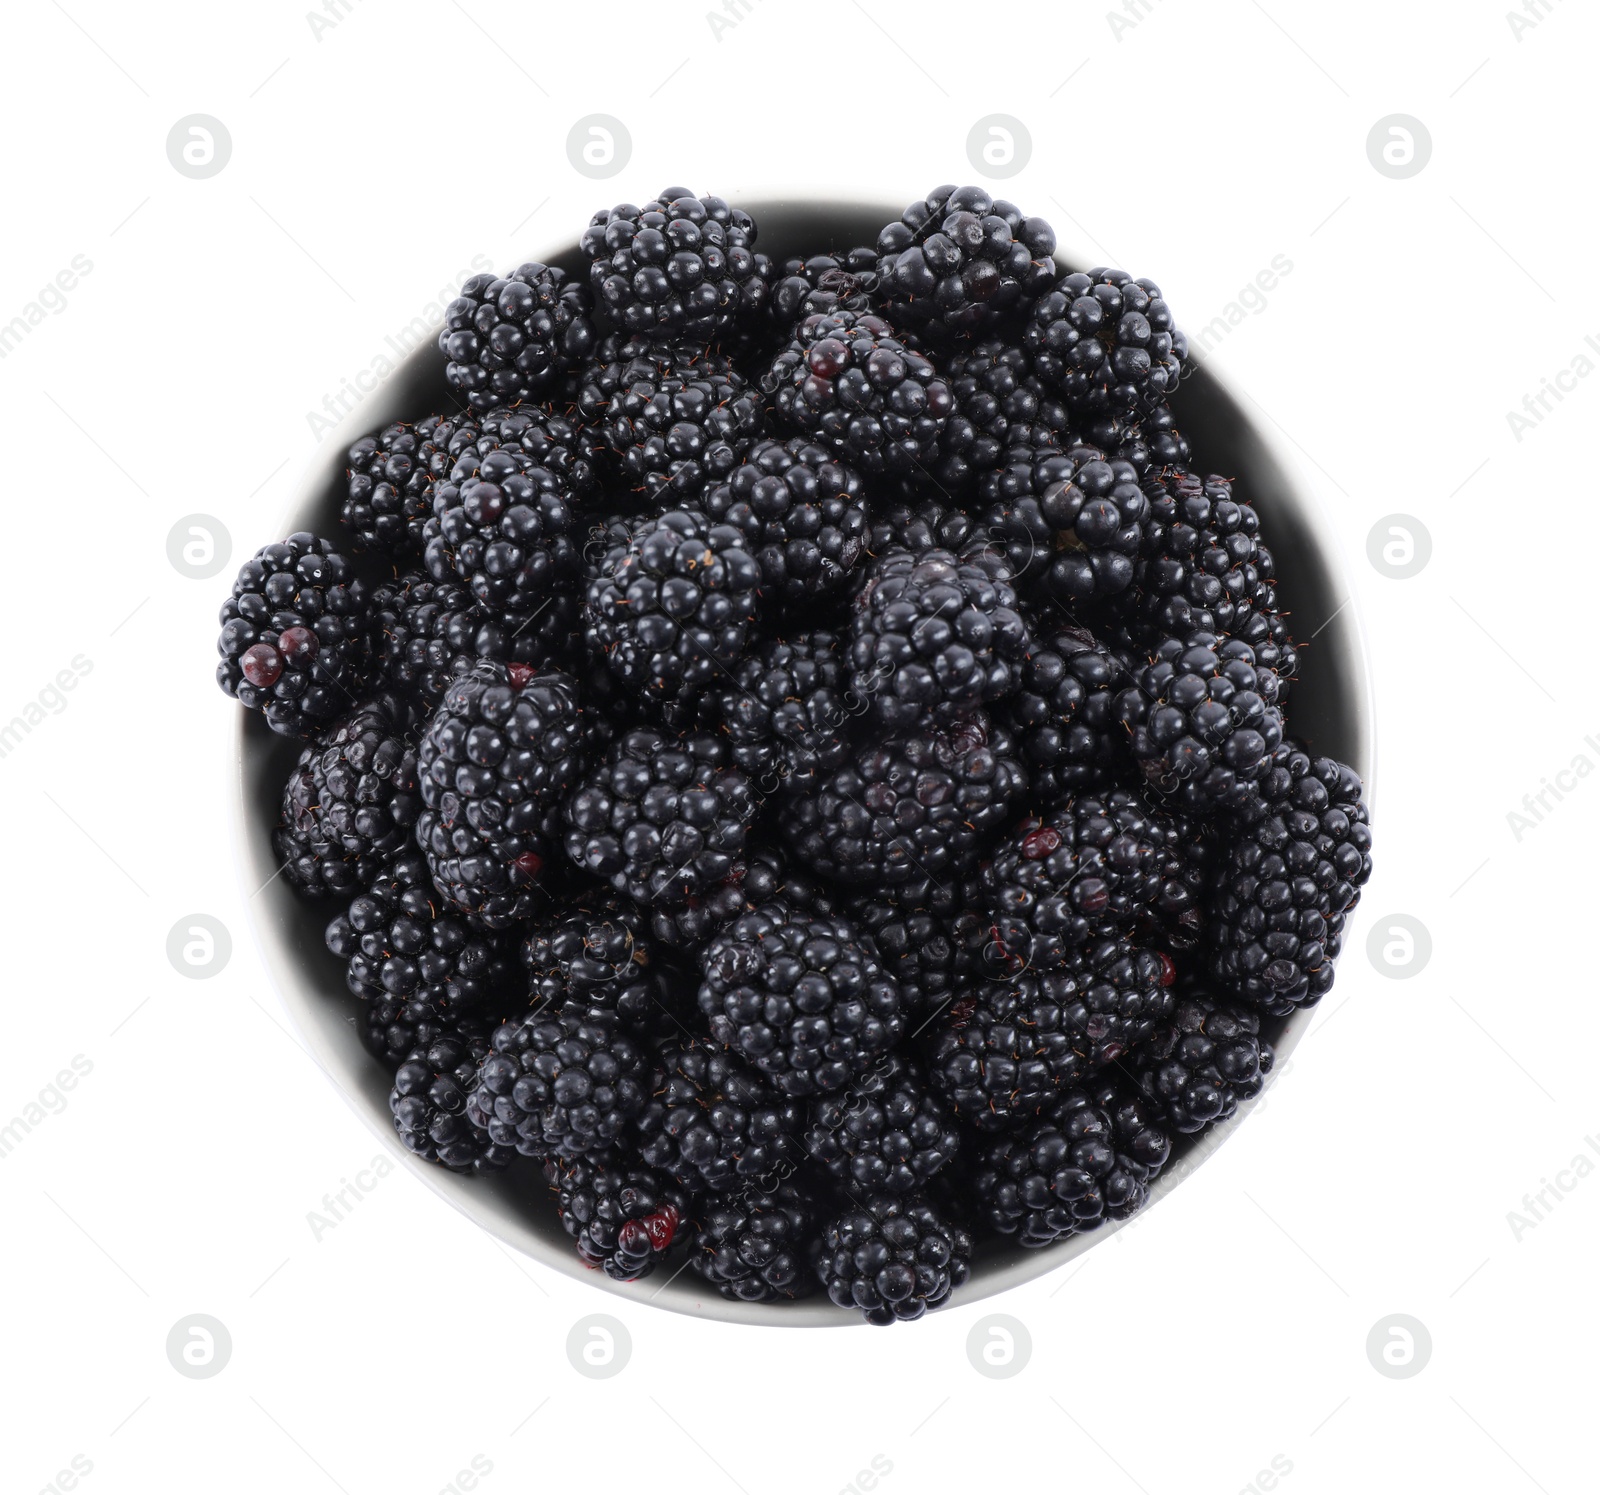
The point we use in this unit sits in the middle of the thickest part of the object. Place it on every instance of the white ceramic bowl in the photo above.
(1331, 708)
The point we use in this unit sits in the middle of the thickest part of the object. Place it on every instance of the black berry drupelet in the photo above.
(1091, 1159)
(429, 1103)
(502, 751)
(1203, 719)
(917, 522)
(930, 939)
(561, 1082)
(390, 479)
(999, 405)
(787, 710)
(679, 422)
(350, 801)
(885, 1133)
(822, 283)
(1097, 865)
(714, 1124)
(1300, 855)
(1108, 342)
(662, 819)
(800, 997)
(533, 436)
(681, 269)
(893, 1257)
(673, 604)
(803, 514)
(1198, 1066)
(910, 811)
(753, 1246)
(296, 635)
(933, 628)
(624, 1218)
(509, 338)
(958, 261)
(596, 951)
(758, 875)
(422, 630)
(847, 381)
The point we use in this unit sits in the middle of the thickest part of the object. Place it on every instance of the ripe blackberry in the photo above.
(713, 1124)
(429, 1103)
(533, 437)
(998, 405)
(1203, 718)
(389, 485)
(1096, 866)
(1064, 719)
(1106, 341)
(1301, 854)
(296, 635)
(849, 383)
(681, 269)
(884, 1134)
(416, 966)
(501, 752)
(912, 810)
(568, 1083)
(753, 1246)
(787, 710)
(823, 283)
(931, 943)
(800, 997)
(803, 516)
(421, 630)
(935, 629)
(350, 801)
(958, 261)
(1068, 522)
(1200, 1065)
(672, 606)
(1149, 438)
(1092, 1159)
(624, 1218)
(509, 338)
(662, 819)
(894, 1258)
(757, 876)
(596, 951)
(676, 424)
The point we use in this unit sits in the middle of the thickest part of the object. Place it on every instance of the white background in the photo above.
(369, 163)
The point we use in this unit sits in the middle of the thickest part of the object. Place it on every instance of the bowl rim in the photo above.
(304, 999)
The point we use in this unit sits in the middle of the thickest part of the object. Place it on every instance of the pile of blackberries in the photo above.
(796, 751)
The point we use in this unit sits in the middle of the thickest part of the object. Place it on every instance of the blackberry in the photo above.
(624, 1218)
(753, 1247)
(677, 423)
(714, 1125)
(429, 1103)
(416, 965)
(296, 635)
(662, 819)
(1149, 439)
(884, 1134)
(787, 710)
(912, 811)
(803, 516)
(998, 405)
(596, 951)
(1090, 1160)
(350, 801)
(757, 876)
(850, 384)
(681, 269)
(1096, 866)
(389, 485)
(533, 437)
(894, 1258)
(931, 942)
(673, 604)
(501, 752)
(1199, 1066)
(1108, 342)
(568, 1083)
(421, 630)
(800, 997)
(917, 523)
(823, 283)
(935, 628)
(1300, 856)
(1069, 523)
(510, 337)
(958, 261)
(1203, 718)
(1064, 719)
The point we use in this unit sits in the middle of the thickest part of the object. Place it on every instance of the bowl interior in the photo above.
(1330, 708)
